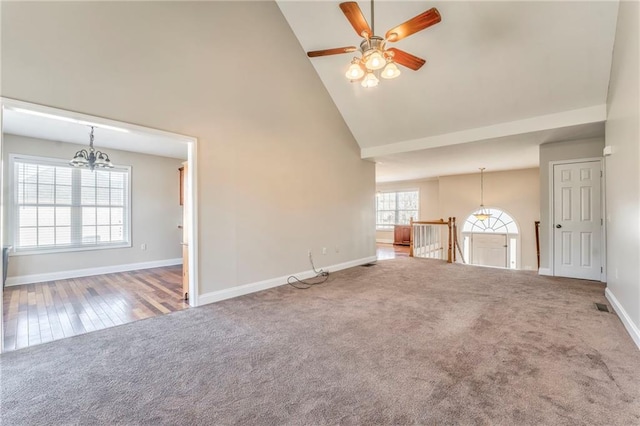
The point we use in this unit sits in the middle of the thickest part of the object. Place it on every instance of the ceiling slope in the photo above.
(489, 65)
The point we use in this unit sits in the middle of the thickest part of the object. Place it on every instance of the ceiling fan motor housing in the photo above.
(374, 43)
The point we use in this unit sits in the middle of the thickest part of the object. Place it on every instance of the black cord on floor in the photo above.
(295, 282)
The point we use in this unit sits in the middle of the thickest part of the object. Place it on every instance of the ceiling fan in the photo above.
(373, 49)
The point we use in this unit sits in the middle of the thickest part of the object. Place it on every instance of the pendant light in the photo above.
(482, 214)
(91, 159)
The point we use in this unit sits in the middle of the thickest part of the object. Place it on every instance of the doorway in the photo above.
(87, 228)
(493, 241)
(489, 250)
(577, 224)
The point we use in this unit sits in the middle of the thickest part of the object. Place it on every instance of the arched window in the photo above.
(499, 222)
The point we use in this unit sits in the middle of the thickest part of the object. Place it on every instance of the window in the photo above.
(57, 207)
(395, 208)
(498, 222)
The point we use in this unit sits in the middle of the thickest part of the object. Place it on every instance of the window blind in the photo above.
(395, 208)
(57, 206)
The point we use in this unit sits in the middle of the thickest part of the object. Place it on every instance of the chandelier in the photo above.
(92, 158)
(482, 214)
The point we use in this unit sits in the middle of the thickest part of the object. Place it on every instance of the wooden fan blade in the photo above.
(336, 51)
(413, 25)
(406, 59)
(353, 13)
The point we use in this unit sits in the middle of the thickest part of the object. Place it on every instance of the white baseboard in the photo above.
(76, 273)
(384, 240)
(545, 271)
(632, 329)
(216, 296)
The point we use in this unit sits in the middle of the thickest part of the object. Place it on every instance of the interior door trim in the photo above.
(192, 149)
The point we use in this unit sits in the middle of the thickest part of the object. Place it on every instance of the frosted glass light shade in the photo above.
(482, 214)
(355, 71)
(375, 61)
(390, 71)
(370, 80)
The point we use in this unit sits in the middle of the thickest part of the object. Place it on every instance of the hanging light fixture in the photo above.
(91, 159)
(482, 214)
(374, 58)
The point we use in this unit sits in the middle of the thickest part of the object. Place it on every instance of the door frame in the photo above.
(603, 232)
(192, 199)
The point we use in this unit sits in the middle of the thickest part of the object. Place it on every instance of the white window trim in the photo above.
(40, 251)
(387, 191)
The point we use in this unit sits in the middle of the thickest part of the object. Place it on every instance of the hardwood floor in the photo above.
(42, 312)
(391, 251)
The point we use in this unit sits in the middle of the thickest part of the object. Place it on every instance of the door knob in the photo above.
(558, 226)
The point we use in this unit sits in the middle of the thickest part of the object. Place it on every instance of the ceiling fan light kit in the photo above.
(376, 59)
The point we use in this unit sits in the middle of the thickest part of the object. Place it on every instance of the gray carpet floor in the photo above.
(407, 341)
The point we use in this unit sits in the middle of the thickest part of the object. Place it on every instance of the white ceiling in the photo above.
(488, 63)
(24, 124)
(506, 153)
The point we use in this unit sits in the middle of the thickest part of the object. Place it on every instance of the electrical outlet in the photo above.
(324, 250)
(143, 246)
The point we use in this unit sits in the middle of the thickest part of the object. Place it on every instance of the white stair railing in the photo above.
(433, 239)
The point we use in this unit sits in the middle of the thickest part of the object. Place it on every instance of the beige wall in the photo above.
(428, 196)
(622, 167)
(515, 192)
(155, 210)
(278, 170)
(557, 151)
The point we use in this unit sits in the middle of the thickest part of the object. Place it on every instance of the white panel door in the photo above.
(577, 220)
(489, 250)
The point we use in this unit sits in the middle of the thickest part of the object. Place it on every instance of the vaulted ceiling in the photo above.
(495, 72)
